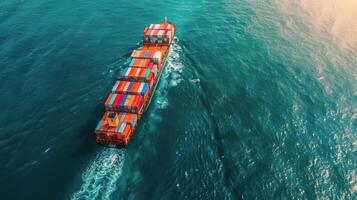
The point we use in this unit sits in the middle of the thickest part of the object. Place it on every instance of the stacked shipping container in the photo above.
(155, 56)
(159, 33)
(124, 103)
(138, 74)
(129, 87)
(144, 63)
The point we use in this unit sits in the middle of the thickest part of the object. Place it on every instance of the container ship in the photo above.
(132, 92)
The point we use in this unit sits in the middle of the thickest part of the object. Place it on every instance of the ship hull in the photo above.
(116, 132)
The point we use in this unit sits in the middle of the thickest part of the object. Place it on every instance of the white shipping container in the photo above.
(141, 87)
(126, 86)
(115, 86)
(127, 72)
(157, 57)
(161, 33)
(137, 72)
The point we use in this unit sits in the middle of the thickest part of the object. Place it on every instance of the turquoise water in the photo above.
(258, 100)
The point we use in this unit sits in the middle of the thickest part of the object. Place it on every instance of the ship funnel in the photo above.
(113, 119)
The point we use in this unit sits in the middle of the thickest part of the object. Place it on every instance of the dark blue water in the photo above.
(258, 100)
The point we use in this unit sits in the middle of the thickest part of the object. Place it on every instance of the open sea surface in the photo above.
(258, 100)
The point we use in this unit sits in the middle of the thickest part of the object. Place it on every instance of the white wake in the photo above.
(171, 75)
(99, 180)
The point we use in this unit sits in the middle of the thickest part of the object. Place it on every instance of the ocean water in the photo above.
(258, 100)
